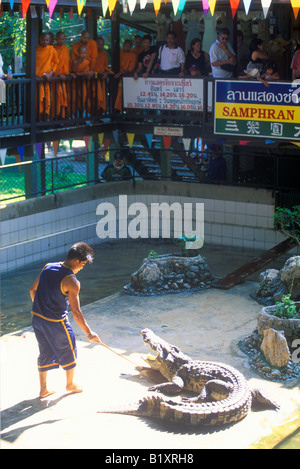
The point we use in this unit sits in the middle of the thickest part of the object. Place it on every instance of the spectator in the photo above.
(295, 65)
(258, 58)
(91, 48)
(171, 57)
(147, 58)
(222, 56)
(270, 74)
(243, 52)
(196, 59)
(138, 45)
(102, 71)
(116, 171)
(127, 65)
(217, 168)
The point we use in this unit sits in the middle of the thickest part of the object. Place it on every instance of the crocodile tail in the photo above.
(146, 407)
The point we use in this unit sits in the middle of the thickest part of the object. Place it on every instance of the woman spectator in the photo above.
(196, 59)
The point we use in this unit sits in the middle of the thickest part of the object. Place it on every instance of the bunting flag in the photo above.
(55, 146)
(11, 3)
(234, 6)
(80, 5)
(265, 6)
(247, 4)
(143, 4)
(205, 6)
(181, 6)
(25, 5)
(212, 6)
(104, 7)
(106, 143)
(296, 6)
(52, 5)
(186, 143)
(156, 4)
(21, 152)
(149, 139)
(3, 155)
(167, 142)
(111, 5)
(70, 143)
(244, 142)
(100, 138)
(86, 141)
(130, 138)
(47, 3)
(39, 147)
(116, 135)
(131, 4)
(175, 5)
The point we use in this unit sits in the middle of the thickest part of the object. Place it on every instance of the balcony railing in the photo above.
(237, 109)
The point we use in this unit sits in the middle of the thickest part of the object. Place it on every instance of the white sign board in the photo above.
(174, 94)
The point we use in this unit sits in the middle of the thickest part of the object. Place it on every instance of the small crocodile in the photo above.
(223, 395)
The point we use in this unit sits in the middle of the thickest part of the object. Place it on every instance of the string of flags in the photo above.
(178, 6)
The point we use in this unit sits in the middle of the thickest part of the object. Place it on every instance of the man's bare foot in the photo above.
(46, 393)
(73, 388)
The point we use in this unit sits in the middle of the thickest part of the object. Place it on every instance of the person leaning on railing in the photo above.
(171, 57)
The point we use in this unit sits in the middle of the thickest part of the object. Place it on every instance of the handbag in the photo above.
(227, 67)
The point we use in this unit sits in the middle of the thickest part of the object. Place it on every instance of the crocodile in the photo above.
(221, 394)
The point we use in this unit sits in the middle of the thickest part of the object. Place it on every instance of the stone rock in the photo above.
(290, 276)
(275, 348)
(169, 272)
(271, 288)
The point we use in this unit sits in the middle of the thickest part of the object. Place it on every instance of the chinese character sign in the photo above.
(179, 94)
(255, 110)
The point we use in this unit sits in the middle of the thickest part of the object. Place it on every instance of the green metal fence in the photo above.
(46, 176)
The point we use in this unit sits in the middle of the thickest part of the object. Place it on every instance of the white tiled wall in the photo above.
(48, 234)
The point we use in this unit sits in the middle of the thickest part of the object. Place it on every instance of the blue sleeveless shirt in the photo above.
(50, 301)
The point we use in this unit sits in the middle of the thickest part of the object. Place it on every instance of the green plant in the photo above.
(152, 254)
(288, 221)
(286, 308)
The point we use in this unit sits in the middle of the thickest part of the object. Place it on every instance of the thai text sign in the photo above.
(254, 110)
(178, 94)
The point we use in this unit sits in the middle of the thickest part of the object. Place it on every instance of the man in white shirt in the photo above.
(171, 57)
(222, 56)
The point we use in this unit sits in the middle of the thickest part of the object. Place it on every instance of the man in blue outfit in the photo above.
(54, 288)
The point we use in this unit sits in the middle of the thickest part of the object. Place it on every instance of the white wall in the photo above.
(38, 236)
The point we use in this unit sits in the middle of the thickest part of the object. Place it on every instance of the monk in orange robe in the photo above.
(91, 48)
(101, 71)
(128, 62)
(46, 64)
(81, 68)
(138, 45)
(62, 71)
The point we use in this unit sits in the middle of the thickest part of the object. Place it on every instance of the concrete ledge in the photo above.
(181, 189)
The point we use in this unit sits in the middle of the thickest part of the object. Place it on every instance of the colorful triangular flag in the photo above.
(265, 6)
(296, 6)
(55, 146)
(175, 5)
(86, 141)
(130, 138)
(111, 5)
(100, 138)
(156, 4)
(234, 6)
(3, 155)
(143, 4)
(52, 4)
(212, 6)
(247, 4)
(116, 135)
(21, 152)
(131, 5)
(25, 5)
(149, 139)
(167, 141)
(104, 7)
(186, 143)
(205, 6)
(39, 147)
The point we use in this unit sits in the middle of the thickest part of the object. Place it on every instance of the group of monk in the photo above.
(86, 59)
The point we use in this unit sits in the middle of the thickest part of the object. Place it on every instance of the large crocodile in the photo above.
(223, 395)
